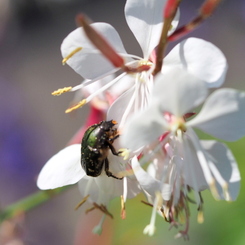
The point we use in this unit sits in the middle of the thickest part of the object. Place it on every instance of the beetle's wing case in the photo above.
(87, 134)
(90, 155)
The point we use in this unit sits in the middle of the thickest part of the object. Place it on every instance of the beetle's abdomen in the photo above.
(90, 162)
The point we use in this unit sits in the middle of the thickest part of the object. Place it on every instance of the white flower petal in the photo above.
(62, 169)
(222, 115)
(133, 187)
(89, 62)
(178, 91)
(143, 129)
(100, 189)
(125, 83)
(87, 186)
(158, 171)
(120, 105)
(226, 164)
(200, 58)
(145, 19)
(193, 172)
(148, 183)
(109, 187)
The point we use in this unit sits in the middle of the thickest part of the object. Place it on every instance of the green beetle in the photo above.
(96, 142)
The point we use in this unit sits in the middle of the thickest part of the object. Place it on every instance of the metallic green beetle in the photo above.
(96, 142)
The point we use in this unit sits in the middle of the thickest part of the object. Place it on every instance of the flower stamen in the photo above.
(61, 91)
(226, 192)
(70, 55)
(82, 202)
(78, 105)
(214, 190)
(151, 228)
(90, 97)
(123, 209)
(103, 209)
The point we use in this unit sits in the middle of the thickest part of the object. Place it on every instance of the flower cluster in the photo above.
(154, 100)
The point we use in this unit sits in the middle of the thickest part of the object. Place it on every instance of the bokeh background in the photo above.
(33, 125)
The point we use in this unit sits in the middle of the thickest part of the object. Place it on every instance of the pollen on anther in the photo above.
(200, 217)
(61, 91)
(78, 105)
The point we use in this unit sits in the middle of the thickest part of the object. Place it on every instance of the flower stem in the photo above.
(29, 203)
(169, 14)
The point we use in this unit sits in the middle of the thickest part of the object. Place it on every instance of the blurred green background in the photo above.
(33, 125)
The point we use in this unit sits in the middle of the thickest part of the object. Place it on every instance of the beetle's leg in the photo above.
(109, 173)
(113, 150)
(115, 137)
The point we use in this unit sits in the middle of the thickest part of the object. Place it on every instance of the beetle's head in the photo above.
(108, 125)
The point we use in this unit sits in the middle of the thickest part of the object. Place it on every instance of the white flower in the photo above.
(145, 19)
(176, 93)
(64, 168)
(178, 160)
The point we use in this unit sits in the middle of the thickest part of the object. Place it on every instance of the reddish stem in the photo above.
(169, 14)
(206, 10)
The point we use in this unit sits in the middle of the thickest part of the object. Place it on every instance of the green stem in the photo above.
(29, 203)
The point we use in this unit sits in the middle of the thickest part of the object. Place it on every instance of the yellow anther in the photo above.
(61, 91)
(82, 202)
(200, 217)
(145, 62)
(226, 192)
(182, 218)
(70, 55)
(78, 105)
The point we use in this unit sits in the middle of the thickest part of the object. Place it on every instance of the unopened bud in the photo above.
(208, 7)
(171, 8)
